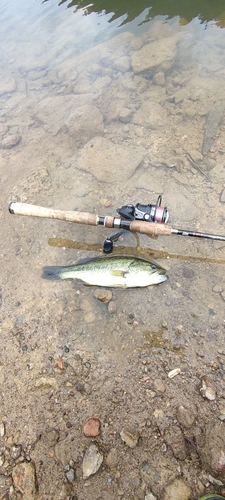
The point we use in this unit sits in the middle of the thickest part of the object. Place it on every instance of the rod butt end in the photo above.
(11, 208)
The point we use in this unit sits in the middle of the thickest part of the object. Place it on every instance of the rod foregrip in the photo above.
(150, 228)
(70, 216)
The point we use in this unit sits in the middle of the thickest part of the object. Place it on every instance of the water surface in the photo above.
(101, 107)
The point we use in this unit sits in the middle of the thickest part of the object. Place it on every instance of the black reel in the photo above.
(148, 213)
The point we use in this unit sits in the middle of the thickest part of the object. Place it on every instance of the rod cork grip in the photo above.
(150, 228)
(69, 216)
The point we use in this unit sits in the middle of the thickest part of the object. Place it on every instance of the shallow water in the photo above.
(94, 116)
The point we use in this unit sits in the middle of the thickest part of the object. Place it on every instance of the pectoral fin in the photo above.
(117, 272)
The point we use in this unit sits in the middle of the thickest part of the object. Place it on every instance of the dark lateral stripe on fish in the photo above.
(51, 272)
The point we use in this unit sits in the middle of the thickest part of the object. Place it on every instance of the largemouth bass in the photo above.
(122, 272)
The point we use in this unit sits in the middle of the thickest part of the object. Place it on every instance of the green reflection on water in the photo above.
(206, 10)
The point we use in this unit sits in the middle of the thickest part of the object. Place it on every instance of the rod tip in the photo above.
(11, 208)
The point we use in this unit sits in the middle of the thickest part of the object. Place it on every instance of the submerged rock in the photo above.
(108, 162)
(154, 55)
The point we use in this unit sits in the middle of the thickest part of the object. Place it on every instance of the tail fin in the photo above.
(51, 273)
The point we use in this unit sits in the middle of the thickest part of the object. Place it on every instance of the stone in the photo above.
(92, 461)
(158, 385)
(108, 162)
(112, 306)
(154, 56)
(70, 475)
(46, 383)
(24, 480)
(7, 84)
(149, 474)
(15, 451)
(210, 447)
(150, 115)
(103, 295)
(208, 388)
(122, 64)
(2, 429)
(4, 486)
(179, 489)
(175, 440)
(112, 458)
(149, 496)
(84, 123)
(9, 141)
(92, 427)
(185, 417)
(130, 437)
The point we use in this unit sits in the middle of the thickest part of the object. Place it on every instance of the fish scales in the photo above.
(121, 272)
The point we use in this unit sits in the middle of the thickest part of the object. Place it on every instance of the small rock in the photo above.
(210, 448)
(112, 306)
(185, 417)
(15, 452)
(179, 489)
(92, 427)
(4, 486)
(46, 383)
(159, 385)
(103, 295)
(92, 461)
(9, 141)
(2, 429)
(70, 476)
(125, 115)
(174, 372)
(149, 496)
(149, 473)
(130, 437)
(24, 479)
(208, 388)
(112, 458)
(89, 317)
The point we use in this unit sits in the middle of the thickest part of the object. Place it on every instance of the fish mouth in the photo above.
(161, 275)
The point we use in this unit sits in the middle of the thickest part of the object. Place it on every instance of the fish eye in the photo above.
(153, 266)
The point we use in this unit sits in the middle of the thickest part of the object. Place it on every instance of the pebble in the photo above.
(112, 306)
(159, 385)
(15, 452)
(2, 429)
(92, 427)
(112, 458)
(185, 417)
(23, 476)
(92, 461)
(149, 473)
(9, 141)
(103, 295)
(149, 496)
(130, 437)
(71, 476)
(208, 389)
(89, 317)
(179, 489)
(174, 372)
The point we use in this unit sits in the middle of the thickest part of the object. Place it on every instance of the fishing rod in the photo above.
(145, 219)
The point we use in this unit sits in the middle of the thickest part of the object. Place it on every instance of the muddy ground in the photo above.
(130, 119)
